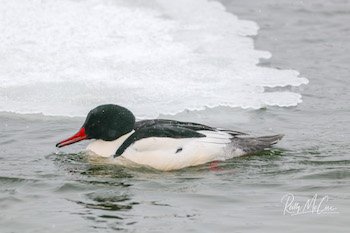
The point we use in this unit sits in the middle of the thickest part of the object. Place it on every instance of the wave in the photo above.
(65, 57)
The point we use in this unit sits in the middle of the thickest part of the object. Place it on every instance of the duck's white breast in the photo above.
(107, 148)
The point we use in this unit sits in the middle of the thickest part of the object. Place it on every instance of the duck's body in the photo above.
(165, 153)
(166, 144)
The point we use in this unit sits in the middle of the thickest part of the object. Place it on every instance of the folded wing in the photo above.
(157, 130)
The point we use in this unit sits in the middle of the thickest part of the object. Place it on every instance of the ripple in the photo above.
(326, 162)
(111, 217)
(105, 206)
(6, 182)
(331, 174)
(69, 187)
(107, 197)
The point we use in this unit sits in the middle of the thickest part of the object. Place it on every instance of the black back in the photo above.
(188, 125)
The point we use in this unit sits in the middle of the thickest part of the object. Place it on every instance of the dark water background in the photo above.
(44, 190)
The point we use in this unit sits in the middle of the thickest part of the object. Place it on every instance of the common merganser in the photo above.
(162, 144)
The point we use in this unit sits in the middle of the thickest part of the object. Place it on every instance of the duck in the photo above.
(162, 144)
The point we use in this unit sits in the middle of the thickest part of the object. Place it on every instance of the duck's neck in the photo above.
(107, 148)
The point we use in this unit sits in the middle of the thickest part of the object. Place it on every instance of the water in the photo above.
(42, 189)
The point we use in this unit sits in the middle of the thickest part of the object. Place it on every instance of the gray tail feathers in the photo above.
(255, 144)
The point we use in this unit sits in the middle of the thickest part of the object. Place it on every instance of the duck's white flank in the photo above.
(170, 153)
